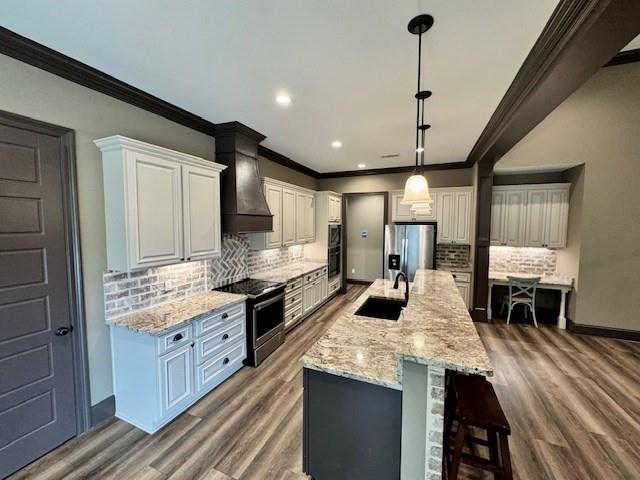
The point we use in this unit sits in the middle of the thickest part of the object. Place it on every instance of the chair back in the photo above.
(523, 286)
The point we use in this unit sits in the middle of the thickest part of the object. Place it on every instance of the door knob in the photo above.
(62, 331)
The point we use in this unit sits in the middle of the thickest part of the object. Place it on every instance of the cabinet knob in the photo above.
(193, 344)
(225, 361)
(225, 315)
(178, 337)
(182, 259)
(225, 336)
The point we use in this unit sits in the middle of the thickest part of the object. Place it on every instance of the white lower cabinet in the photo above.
(157, 377)
(305, 294)
(463, 282)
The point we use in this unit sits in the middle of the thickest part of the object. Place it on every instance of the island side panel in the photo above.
(423, 394)
(352, 429)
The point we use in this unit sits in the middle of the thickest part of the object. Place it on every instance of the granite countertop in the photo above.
(289, 272)
(159, 319)
(434, 329)
(556, 279)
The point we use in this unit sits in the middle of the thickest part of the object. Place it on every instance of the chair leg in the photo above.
(509, 314)
(533, 312)
(457, 452)
(526, 312)
(506, 457)
(492, 437)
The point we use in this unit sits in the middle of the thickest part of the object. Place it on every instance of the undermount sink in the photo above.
(380, 307)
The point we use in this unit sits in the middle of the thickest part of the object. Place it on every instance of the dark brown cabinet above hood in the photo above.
(244, 207)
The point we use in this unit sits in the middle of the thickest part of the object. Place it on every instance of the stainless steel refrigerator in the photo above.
(415, 244)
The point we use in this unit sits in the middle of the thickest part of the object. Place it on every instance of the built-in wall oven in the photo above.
(334, 254)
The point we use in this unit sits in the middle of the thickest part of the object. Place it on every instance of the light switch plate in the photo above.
(168, 285)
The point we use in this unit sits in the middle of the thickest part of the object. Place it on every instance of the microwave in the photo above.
(335, 236)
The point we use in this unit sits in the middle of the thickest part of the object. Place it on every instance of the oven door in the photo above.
(335, 235)
(268, 319)
(334, 261)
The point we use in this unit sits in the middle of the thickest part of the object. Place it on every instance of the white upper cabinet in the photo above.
(454, 214)
(508, 217)
(161, 206)
(293, 213)
(288, 217)
(403, 213)
(334, 208)
(273, 194)
(530, 215)
(201, 194)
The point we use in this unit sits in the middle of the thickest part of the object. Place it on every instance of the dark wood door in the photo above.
(37, 390)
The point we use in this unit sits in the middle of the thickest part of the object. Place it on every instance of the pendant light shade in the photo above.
(416, 190)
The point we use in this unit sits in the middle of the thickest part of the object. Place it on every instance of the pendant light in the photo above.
(416, 190)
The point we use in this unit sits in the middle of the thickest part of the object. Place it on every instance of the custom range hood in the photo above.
(244, 207)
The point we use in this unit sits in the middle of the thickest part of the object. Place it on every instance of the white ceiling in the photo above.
(635, 43)
(350, 66)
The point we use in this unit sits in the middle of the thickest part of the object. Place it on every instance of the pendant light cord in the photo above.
(417, 100)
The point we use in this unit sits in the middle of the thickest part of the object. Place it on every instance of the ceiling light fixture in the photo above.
(336, 144)
(283, 99)
(416, 190)
(361, 165)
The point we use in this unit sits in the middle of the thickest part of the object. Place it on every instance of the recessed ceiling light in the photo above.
(336, 144)
(361, 165)
(283, 99)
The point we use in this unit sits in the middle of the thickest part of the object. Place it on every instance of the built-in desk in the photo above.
(556, 281)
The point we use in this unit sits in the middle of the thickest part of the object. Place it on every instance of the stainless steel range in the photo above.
(265, 316)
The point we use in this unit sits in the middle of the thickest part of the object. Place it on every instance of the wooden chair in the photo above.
(522, 291)
(476, 405)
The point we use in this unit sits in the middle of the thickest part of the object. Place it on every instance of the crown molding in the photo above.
(624, 57)
(35, 54)
(580, 37)
(383, 171)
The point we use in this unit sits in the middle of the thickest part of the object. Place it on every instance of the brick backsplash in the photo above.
(126, 292)
(453, 254)
(522, 259)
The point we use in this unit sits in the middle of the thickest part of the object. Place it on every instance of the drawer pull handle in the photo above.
(178, 337)
(225, 315)
(225, 361)
(225, 336)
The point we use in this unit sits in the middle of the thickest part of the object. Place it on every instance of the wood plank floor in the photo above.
(573, 403)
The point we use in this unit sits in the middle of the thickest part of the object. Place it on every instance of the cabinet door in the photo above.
(331, 209)
(535, 218)
(176, 378)
(324, 288)
(308, 295)
(201, 204)
(556, 218)
(462, 218)
(445, 208)
(310, 219)
(339, 210)
(154, 200)
(273, 194)
(497, 218)
(288, 217)
(514, 218)
(463, 288)
(301, 209)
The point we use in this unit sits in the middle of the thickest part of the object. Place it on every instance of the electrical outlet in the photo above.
(168, 285)
(353, 270)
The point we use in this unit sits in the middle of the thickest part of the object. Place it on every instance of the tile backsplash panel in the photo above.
(450, 254)
(522, 259)
(126, 292)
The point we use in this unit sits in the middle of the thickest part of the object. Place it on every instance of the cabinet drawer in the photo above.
(219, 319)
(293, 315)
(293, 285)
(220, 367)
(215, 341)
(317, 274)
(463, 277)
(292, 298)
(174, 339)
(334, 287)
(324, 271)
(309, 277)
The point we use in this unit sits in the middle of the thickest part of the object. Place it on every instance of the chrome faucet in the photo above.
(406, 285)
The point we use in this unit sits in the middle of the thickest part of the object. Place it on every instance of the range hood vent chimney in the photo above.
(244, 207)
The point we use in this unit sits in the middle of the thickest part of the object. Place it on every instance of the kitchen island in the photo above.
(375, 388)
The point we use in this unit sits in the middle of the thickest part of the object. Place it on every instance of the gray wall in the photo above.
(274, 170)
(34, 93)
(364, 254)
(599, 125)
(395, 181)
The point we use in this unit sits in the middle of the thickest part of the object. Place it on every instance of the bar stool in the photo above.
(476, 405)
